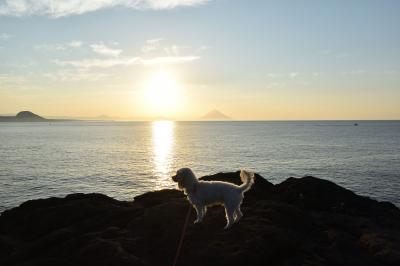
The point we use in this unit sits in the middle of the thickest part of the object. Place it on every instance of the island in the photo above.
(215, 115)
(301, 221)
(28, 116)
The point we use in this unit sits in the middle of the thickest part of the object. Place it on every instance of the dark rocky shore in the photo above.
(306, 221)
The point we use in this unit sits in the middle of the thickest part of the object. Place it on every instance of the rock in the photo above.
(28, 115)
(23, 116)
(301, 221)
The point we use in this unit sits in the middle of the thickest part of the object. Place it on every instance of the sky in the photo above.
(252, 60)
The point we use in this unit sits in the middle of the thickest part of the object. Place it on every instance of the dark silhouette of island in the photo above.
(28, 116)
(301, 221)
(215, 115)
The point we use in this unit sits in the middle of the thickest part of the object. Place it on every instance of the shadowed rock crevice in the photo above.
(304, 221)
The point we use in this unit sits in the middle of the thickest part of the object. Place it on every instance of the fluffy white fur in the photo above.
(206, 193)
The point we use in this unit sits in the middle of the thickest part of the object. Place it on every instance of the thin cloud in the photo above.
(203, 48)
(56, 9)
(75, 44)
(169, 4)
(12, 81)
(390, 72)
(58, 46)
(78, 74)
(128, 61)
(273, 75)
(163, 60)
(354, 72)
(317, 74)
(50, 46)
(173, 50)
(100, 63)
(10, 65)
(151, 45)
(275, 85)
(332, 53)
(5, 36)
(293, 75)
(102, 49)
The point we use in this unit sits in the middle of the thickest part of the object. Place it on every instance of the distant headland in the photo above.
(215, 115)
(28, 116)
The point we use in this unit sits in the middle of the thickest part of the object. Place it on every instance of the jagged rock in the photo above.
(304, 221)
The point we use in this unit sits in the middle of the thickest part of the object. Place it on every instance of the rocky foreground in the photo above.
(305, 221)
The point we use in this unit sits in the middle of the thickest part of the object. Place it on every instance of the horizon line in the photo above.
(229, 120)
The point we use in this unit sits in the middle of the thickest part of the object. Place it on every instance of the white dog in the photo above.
(206, 193)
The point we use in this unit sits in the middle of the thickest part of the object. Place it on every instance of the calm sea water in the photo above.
(124, 159)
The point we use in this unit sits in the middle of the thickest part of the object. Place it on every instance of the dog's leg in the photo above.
(200, 210)
(238, 214)
(202, 213)
(229, 212)
(205, 210)
(197, 212)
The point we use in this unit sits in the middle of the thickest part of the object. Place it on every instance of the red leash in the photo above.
(178, 250)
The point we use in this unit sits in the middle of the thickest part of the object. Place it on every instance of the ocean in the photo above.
(125, 159)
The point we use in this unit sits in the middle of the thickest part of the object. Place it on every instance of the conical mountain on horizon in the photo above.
(215, 115)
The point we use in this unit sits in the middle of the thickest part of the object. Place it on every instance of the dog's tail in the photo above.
(247, 179)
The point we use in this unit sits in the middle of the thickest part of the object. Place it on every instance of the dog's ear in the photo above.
(187, 182)
(180, 183)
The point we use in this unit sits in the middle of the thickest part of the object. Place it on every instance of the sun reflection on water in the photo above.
(163, 148)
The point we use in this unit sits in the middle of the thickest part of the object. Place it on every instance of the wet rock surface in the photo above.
(301, 221)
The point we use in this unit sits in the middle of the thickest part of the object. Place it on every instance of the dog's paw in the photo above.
(196, 221)
(227, 226)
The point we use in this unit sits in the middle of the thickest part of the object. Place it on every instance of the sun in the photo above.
(162, 94)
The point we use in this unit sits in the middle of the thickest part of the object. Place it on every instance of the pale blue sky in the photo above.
(250, 59)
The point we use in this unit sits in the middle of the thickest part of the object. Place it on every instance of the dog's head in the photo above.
(185, 178)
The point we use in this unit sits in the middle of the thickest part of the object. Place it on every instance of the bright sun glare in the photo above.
(163, 94)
